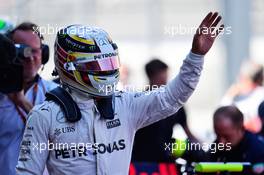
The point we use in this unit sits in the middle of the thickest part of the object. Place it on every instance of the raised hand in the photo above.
(206, 33)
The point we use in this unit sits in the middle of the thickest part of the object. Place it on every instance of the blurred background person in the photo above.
(247, 94)
(245, 145)
(149, 144)
(14, 107)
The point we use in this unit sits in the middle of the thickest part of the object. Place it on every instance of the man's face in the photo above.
(227, 132)
(33, 63)
(160, 78)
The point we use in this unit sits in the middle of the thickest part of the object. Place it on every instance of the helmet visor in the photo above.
(108, 64)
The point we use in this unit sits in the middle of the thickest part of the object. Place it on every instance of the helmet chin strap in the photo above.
(77, 93)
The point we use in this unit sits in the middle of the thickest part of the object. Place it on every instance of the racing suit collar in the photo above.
(104, 106)
(83, 102)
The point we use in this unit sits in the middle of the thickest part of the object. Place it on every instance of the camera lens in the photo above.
(23, 51)
(27, 52)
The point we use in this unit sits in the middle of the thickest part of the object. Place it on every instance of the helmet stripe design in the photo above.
(60, 51)
(91, 42)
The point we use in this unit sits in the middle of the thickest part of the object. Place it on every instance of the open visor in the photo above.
(108, 64)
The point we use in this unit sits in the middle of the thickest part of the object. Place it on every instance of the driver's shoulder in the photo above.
(45, 110)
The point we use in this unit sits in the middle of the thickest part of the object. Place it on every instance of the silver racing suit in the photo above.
(94, 145)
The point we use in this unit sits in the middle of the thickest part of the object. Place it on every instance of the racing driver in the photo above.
(86, 126)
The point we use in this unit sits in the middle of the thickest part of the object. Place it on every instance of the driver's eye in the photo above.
(103, 73)
(110, 72)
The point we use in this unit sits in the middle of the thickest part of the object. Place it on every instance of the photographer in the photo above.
(246, 146)
(15, 106)
(233, 143)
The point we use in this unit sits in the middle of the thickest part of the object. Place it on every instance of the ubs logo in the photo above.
(67, 129)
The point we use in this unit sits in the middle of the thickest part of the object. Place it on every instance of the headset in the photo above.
(45, 53)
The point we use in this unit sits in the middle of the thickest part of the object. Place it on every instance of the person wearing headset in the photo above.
(14, 107)
(86, 127)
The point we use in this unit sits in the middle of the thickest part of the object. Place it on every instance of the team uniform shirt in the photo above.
(95, 145)
(12, 124)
